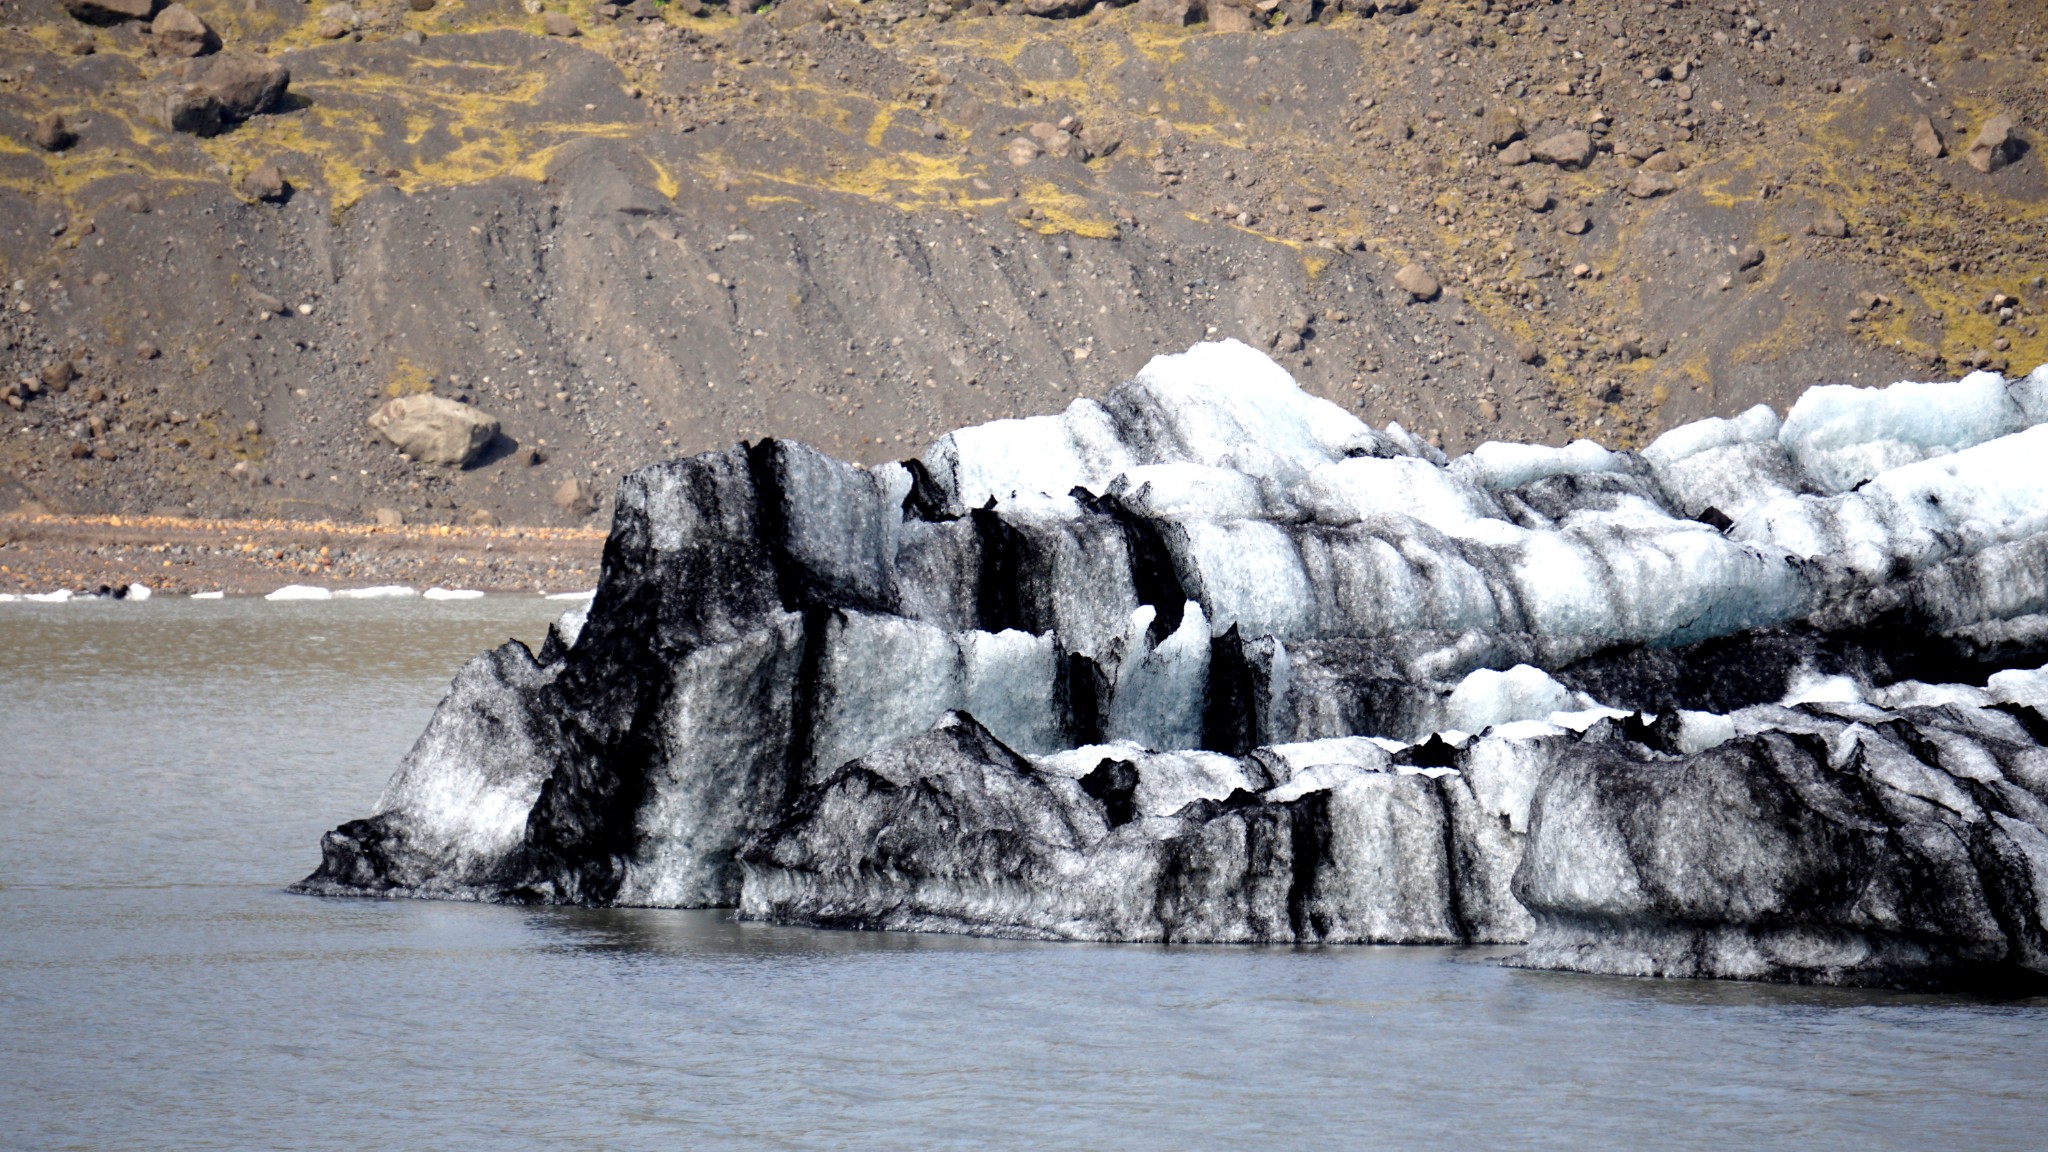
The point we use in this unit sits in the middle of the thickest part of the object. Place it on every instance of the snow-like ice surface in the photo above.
(452, 594)
(1210, 658)
(378, 592)
(209, 596)
(301, 592)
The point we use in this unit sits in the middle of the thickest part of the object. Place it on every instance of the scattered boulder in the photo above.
(1993, 146)
(1416, 281)
(265, 182)
(559, 24)
(1178, 13)
(58, 374)
(1649, 185)
(388, 517)
(1023, 150)
(232, 88)
(1927, 140)
(1664, 162)
(51, 134)
(1575, 223)
(1537, 198)
(434, 429)
(245, 85)
(1830, 224)
(178, 31)
(1748, 258)
(1572, 149)
(109, 11)
(1232, 18)
(1499, 127)
(1516, 154)
(572, 495)
(1527, 352)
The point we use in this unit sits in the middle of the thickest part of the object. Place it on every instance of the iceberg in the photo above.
(1211, 659)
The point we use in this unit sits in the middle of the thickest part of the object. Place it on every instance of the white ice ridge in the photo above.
(215, 595)
(1209, 567)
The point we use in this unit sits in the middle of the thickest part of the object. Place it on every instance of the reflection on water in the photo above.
(167, 767)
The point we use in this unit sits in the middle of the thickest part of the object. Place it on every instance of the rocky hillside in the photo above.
(630, 231)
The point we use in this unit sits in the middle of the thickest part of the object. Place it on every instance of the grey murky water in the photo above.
(166, 768)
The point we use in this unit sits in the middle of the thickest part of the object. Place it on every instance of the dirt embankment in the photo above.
(94, 554)
(860, 224)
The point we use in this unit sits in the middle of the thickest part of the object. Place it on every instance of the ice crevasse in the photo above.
(1210, 659)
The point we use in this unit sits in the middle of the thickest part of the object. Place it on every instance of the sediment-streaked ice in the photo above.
(1212, 659)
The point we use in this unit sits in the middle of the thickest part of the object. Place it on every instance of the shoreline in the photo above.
(88, 555)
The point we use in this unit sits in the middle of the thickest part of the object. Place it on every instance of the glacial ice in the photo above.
(1210, 659)
(300, 592)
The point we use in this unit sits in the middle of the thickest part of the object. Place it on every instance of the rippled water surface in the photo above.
(166, 768)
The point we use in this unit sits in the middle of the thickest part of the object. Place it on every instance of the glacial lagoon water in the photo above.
(166, 768)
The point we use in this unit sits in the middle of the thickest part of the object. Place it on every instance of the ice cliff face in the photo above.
(1212, 660)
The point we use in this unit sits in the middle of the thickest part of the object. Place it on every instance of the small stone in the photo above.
(483, 518)
(1023, 150)
(420, 5)
(1648, 185)
(146, 351)
(1537, 198)
(178, 31)
(387, 517)
(530, 456)
(1993, 145)
(1859, 53)
(572, 496)
(1664, 162)
(1527, 352)
(331, 29)
(559, 24)
(1830, 224)
(1566, 149)
(57, 375)
(1516, 154)
(51, 135)
(264, 182)
(1176, 13)
(1575, 223)
(1487, 412)
(1748, 258)
(1927, 140)
(80, 450)
(1417, 282)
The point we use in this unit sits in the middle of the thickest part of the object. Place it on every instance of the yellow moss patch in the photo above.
(408, 379)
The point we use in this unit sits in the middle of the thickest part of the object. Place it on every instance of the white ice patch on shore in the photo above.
(380, 592)
(209, 596)
(451, 594)
(300, 592)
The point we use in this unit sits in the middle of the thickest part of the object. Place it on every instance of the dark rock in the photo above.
(109, 11)
(245, 86)
(51, 134)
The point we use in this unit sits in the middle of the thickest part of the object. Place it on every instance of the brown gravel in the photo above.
(88, 553)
